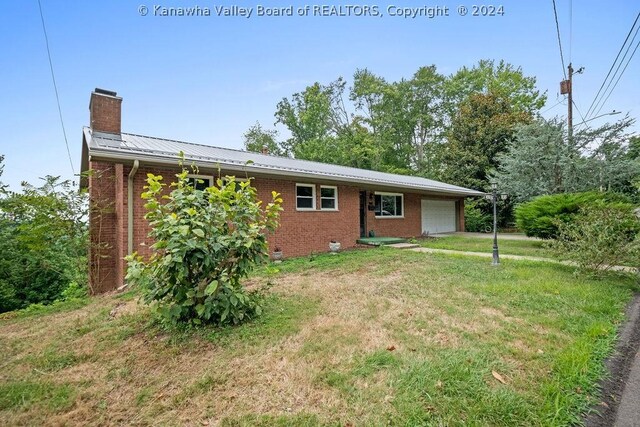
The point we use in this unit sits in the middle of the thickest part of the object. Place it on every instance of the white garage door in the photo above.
(438, 216)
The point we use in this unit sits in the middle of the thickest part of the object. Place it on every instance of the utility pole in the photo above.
(566, 88)
(570, 100)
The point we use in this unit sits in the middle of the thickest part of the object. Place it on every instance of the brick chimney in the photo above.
(105, 111)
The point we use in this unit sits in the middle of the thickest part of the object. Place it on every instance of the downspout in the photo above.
(134, 169)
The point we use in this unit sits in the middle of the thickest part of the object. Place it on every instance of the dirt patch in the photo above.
(619, 366)
(124, 308)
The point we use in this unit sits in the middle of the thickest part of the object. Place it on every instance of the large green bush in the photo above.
(600, 236)
(206, 241)
(43, 243)
(475, 219)
(541, 216)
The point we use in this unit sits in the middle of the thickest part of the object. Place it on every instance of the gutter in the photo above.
(132, 174)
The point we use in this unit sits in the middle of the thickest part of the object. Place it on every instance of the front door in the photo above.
(363, 214)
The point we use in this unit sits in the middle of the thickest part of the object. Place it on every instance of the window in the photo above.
(328, 198)
(389, 205)
(200, 182)
(225, 181)
(305, 196)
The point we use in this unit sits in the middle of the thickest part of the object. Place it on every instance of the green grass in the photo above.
(42, 395)
(373, 337)
(534, 248)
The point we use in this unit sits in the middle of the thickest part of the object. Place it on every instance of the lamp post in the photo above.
(494, 198)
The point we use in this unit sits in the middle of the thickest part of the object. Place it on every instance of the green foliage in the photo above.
(541, 216)
(205, 243)
(542, 160)
(501, 79)
(397, 126)
(482, 129)
(256, 139)
(43, 243)
(476, 219)
(600, 236)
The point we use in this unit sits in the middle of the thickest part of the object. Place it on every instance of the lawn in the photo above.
(365, 338)
(534, 248)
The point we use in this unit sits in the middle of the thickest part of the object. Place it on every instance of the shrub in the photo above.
(43, 243)
(600, 237)
(541, 216)
(475, 219)
(206, 241)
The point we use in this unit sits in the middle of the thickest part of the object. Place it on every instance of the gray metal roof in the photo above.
(128, 146)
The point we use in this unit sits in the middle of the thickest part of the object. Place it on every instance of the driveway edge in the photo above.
(620, 401)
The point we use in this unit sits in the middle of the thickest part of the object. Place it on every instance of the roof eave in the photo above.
(102, 154)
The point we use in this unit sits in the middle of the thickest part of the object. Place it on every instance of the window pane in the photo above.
(378, 203)
(388, 205)
(328, 203)
(199, 183)
(304, 191)
(399, 205)
(327, 192)
(305, 202)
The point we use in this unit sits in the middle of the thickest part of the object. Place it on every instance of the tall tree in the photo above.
(542, 160)
(257, 139)
(482, 129)
(501, 79)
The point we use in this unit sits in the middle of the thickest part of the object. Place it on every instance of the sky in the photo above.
(207, 79)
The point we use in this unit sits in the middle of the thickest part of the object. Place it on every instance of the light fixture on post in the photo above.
(493, 196)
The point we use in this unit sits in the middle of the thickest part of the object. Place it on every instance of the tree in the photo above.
(43, 243)
(256, 139)
(610, 151)
(316, 119)
(404, 126)
(503, 80)
(541, 160)
(206, 242)
(482, 129)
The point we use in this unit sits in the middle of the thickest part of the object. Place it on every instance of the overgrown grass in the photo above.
(373, 337)
(535, 248)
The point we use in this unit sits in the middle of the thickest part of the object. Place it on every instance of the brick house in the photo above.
(322, 202)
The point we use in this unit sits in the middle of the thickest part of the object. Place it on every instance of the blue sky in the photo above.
(207, 79)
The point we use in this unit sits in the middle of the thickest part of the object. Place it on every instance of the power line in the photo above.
(55, 87)
(552, 107)
(581, 116)
(613, 65)
(555, 13)
(616, 83)
(615, 73)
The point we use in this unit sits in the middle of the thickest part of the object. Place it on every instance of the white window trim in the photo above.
(202, 177)
(335, 189)
(313, 196)
(380, 193)
(237, 180)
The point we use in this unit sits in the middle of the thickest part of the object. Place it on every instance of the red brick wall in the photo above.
(103, 227)
(409, 226)
(300, 232)
(105, 113)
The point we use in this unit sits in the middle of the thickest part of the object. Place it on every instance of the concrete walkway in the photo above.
(516, 257)
(501, 236)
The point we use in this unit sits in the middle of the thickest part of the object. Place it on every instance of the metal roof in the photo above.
(126, 146)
